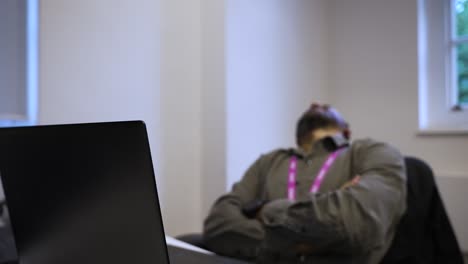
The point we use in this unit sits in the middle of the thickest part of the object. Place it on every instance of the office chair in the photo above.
(424, 234)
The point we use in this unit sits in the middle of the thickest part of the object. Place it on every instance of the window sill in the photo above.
(461, 131)
(16, 123)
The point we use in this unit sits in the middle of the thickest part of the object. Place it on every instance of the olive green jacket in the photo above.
(355, 224)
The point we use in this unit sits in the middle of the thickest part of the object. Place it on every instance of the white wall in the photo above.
(181, 114)
(275, 67)
(213, 101)
(374, 81)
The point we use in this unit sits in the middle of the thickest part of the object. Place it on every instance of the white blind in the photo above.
(13, 60)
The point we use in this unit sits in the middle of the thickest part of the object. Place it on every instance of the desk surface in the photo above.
(179, 255)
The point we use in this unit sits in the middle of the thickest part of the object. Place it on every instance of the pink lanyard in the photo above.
(318, 180)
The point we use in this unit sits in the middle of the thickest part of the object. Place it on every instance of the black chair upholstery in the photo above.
(424, 234)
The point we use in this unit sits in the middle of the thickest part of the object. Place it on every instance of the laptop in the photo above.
(82, 193)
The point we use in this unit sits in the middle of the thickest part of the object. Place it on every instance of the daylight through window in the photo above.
(459, 51)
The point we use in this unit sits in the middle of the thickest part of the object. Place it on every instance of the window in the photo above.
(443, 66)
(459, 56)
(18, 62)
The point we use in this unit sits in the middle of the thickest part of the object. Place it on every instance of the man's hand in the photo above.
(350, 183)
(253, 209)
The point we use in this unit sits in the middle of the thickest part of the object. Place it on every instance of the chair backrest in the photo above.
(425, 234)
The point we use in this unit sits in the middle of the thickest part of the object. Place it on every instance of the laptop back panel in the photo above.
(82, 193)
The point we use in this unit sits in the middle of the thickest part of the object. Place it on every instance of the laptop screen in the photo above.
(82, 193)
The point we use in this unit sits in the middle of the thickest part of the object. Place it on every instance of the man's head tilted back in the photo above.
(319, 117)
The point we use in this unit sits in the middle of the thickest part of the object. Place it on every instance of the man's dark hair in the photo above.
(316, 117)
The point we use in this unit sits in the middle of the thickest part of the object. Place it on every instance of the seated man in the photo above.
(327, 201)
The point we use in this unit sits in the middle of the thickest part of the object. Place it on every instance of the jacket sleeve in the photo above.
(226, 230)
(350, 220)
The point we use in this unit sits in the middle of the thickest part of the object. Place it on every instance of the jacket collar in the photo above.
(324, 146)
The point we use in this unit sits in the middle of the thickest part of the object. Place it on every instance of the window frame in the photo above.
(436, 57)
(32, 71)
(454, 41)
